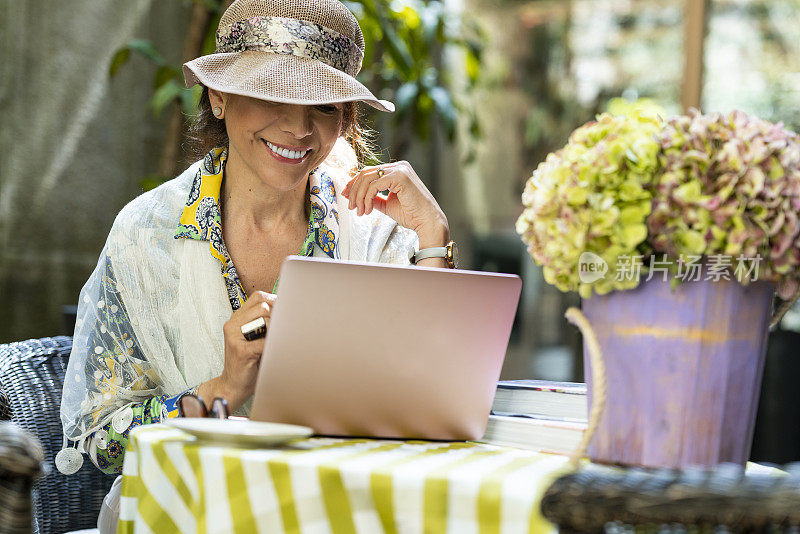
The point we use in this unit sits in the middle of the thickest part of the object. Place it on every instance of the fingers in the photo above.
(363, 188)
(261, 309)
(357, 197)
(261, 296)
(234, 338)
(367, 173)
(371, 198)
(258, 305)
(351, 192)
(379, 203)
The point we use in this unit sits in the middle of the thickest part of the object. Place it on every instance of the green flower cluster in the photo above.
(729, 185)
(592, 196)
(627, 186)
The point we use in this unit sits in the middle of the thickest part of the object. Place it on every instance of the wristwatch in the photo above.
(449, 252)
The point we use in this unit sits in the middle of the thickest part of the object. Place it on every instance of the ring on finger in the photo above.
(254, 329)
(381, 172)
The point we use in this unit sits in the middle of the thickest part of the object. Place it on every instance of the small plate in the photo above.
(240, 432)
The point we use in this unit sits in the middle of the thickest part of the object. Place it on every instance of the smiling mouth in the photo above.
(293, 155)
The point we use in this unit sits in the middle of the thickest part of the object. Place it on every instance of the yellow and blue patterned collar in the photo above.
(201, 218)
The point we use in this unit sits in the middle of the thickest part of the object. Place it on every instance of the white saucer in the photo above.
(240, 431)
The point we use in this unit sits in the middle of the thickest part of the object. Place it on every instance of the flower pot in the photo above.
(683, 371)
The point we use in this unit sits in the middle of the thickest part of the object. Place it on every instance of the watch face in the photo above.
(453, 256)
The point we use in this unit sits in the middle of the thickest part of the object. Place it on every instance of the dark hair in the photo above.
(207, 131)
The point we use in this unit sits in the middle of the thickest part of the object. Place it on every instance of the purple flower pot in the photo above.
(683, 371)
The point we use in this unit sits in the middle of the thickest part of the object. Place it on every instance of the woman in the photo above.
(187, 264)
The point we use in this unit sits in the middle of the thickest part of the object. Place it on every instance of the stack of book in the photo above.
(538, 415)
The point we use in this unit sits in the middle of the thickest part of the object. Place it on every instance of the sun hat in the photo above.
(292, 51)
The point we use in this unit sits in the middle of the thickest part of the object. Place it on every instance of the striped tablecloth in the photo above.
(173, 482)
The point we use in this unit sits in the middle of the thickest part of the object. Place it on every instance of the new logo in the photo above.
(591, 267)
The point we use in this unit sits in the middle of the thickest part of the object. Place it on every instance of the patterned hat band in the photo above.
(294, 37)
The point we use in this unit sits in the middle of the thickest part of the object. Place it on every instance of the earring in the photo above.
(217, 111)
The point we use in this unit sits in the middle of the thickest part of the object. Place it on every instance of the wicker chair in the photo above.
(598, 499)
(31, 378)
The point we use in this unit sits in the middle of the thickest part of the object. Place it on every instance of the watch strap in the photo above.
(432, 252)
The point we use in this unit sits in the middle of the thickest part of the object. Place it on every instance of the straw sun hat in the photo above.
(293, 51)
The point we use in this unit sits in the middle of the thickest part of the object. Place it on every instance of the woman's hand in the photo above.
(409, 201)
(238, 379)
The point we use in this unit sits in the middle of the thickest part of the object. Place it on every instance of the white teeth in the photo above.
(286, 153)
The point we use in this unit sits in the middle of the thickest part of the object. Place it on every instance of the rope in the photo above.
(785, 307)
(598, 367)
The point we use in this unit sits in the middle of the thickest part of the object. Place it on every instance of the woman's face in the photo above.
(257, 128)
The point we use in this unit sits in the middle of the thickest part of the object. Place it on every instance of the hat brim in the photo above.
(279, 78)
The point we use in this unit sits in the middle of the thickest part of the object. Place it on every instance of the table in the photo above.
(173, 482)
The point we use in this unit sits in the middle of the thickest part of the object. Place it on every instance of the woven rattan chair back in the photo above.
(32, 376)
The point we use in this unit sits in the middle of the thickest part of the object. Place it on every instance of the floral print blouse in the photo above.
(201, 220)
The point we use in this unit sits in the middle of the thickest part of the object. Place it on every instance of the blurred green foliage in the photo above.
(585, 53)
(168, 83)
(405, 41)
(753, 59)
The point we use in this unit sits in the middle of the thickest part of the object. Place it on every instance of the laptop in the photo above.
(374, 350)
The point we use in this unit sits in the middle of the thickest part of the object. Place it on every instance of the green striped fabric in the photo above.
(175, 483)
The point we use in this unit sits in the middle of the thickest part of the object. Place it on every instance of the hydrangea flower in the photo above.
(729, 185)
(592, 196)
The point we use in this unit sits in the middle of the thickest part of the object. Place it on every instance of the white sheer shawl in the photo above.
(176, 300)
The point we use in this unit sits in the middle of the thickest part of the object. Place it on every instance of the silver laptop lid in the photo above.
(357, 349)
